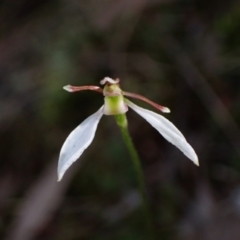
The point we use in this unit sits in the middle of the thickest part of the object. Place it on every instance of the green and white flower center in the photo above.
(114, 101)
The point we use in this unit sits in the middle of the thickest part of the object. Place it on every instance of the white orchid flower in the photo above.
(115, 103)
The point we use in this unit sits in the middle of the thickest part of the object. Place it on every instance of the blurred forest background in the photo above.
(183, 54)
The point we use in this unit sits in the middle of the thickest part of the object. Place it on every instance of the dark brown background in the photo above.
(181, 54)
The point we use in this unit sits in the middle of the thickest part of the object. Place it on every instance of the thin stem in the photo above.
(122, 123)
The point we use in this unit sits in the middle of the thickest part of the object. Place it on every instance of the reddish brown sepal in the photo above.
(157, 106)
(70, 88)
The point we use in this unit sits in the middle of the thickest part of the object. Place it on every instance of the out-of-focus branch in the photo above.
(202, 88)
(41, 201)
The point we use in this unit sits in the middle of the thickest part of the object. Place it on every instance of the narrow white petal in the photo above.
(77, 141)
(167, 129)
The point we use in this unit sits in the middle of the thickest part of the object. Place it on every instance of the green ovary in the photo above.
(114, 105)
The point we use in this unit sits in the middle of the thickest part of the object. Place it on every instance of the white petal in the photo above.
(167, 129)
(77, 141)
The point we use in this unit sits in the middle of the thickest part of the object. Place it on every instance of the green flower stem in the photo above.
(122, 123)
